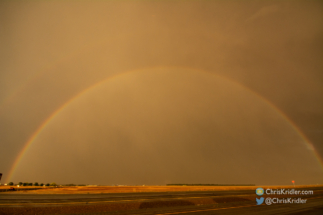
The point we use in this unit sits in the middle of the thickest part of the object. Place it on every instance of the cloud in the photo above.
(263, 12)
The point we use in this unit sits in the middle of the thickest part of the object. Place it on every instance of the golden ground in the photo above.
(130, 189)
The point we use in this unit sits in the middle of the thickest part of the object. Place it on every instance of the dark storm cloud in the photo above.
(51, 51)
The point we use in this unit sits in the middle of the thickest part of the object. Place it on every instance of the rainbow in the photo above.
(55, 113)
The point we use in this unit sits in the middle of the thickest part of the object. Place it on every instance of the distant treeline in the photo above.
(210, 185)
(32, 184)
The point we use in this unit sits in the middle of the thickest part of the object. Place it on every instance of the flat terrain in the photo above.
(136, 189)
(154, 200)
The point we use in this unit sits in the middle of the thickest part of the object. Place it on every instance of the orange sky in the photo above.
(222, 62)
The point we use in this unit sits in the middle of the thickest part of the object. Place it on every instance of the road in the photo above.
(202, 202)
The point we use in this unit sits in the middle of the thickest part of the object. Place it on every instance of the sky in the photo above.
(157, 92)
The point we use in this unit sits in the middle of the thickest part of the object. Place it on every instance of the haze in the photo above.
(156, 92)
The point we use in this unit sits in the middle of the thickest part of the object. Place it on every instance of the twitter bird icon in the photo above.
(260, 201)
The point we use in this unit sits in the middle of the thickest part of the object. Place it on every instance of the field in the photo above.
(135, 189)
(151, 200)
